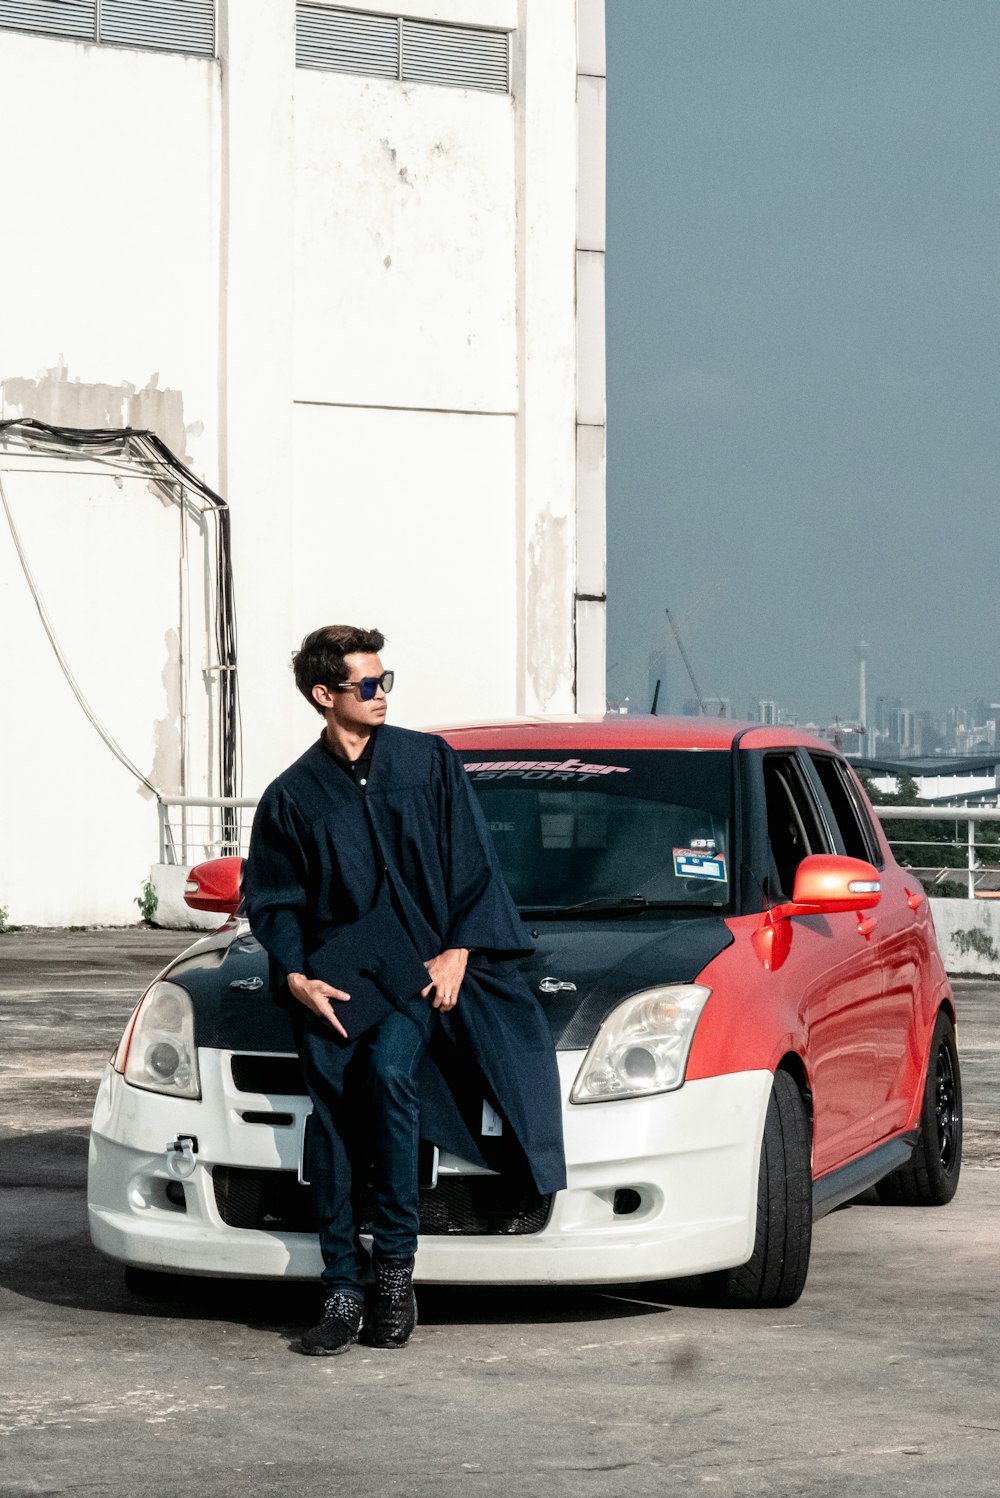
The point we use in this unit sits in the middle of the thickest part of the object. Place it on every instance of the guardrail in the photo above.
(981, 878)
(193, 828)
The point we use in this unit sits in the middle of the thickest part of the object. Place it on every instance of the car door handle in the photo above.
(866, 925)
(914, 898)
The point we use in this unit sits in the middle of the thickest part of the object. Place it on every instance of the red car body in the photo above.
(850, 998)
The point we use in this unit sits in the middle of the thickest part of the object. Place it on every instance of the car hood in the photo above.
(607, 961)
(592, 965)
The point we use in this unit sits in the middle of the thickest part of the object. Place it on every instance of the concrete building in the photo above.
(349, 265)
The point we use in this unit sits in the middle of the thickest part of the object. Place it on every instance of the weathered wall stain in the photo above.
(62, 402)
(166, 768)
(549, 629)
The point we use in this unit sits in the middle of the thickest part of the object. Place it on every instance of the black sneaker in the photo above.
(392, 1310)
(337, 1329)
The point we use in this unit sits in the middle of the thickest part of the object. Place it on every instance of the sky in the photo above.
(804, 349)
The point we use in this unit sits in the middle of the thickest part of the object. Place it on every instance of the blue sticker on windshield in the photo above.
(692, 863)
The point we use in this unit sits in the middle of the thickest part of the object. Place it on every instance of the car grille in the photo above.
(270, 1199)
(281, 1074)
(465, 1206)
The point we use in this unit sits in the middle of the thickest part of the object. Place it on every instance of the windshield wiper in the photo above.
(620, 902)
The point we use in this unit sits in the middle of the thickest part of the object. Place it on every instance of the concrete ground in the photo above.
(882, 1380)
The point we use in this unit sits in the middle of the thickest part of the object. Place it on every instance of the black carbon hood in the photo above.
(233, 1009)
(605, 961)
(609, 960)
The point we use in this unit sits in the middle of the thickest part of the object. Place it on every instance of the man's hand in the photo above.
(446, 973)
(316, 995)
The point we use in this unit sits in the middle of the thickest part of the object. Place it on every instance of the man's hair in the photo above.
(319, 662)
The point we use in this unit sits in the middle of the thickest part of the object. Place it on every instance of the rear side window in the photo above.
(851, 819)
(794, 828)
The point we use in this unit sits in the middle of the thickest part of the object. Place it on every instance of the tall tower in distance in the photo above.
(861, 650)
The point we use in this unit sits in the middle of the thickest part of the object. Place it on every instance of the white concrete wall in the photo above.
(109, 280)
(411, 303)
(405, 380)
(257, 52)
(109, 259)
(591, 402)
(403, 520)
(968, 933)
(371, 315)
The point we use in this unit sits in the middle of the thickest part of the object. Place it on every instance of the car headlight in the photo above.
(643, 1045)
(161, 1050)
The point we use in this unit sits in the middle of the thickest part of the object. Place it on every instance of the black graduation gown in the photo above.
(317, 847)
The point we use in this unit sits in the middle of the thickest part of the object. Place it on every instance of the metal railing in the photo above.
(980, 876)
(193, 828)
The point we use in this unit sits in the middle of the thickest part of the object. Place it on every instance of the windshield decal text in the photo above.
(540, 769)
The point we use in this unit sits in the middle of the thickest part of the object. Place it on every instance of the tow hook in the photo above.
(181, 1156)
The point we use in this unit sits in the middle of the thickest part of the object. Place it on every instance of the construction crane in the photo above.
(687, 664)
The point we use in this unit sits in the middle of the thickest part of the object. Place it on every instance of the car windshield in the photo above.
(611, 830)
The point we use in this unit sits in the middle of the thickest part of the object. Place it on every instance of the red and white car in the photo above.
(752, 1021)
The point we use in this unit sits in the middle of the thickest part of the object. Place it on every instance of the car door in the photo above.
(832, 968)
(899, 937)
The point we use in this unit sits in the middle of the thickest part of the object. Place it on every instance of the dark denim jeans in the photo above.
(366, 1113)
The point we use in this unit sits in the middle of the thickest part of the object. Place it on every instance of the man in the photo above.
(376, 817)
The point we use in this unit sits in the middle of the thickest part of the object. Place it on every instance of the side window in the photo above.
(793, 824)
(852, 821)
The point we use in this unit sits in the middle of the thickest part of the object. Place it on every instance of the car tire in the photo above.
(775, 1274)
(931, 1177)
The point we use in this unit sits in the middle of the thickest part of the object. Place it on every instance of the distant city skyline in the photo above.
(666, 666)
(894, 727)
(803, 349)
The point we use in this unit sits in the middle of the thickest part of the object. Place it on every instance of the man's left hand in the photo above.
(446, 974)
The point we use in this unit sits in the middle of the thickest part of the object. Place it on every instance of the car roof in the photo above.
(624, 731)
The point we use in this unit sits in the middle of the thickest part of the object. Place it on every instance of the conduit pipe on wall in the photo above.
(132, 453)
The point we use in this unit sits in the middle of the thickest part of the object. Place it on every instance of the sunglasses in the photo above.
(368, 685)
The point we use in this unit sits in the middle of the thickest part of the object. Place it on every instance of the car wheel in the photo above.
(775, 1274)
(931, 1177)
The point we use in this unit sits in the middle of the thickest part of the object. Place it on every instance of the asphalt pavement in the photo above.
(881, 1381)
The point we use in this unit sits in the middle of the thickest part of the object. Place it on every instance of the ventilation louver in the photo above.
(456, 55)
(75, 18)
(163, 25)
(174, 25)
(344, 41)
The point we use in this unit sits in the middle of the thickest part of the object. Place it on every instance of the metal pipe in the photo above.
(244, 801)
(937, 813)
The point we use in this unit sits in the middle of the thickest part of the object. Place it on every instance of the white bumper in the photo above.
(690, 1156)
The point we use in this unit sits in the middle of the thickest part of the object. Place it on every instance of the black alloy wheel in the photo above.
(931, 1177)
(947, 1108)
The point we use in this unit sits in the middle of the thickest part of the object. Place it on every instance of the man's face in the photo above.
(343, 705)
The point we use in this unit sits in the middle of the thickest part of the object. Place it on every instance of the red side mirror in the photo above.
(829, 882)
(215, 885)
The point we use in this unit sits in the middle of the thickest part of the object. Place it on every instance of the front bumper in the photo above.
(685, 1162)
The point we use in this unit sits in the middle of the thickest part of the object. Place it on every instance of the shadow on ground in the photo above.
(49, 1258)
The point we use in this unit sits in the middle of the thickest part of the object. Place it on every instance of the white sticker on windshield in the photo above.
(692, 863)
(540, 769)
